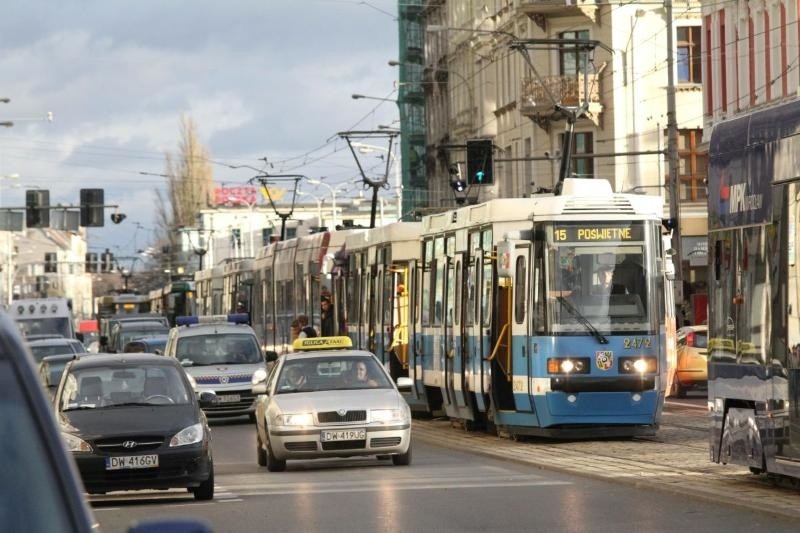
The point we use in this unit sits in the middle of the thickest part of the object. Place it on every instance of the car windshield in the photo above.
(43, 350)
(104, 387)
(38, 326)
(218, 349)
(331, 373)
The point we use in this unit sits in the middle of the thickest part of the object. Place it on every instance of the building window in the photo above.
(50, 263)
(266, 236)
(583, 143)
(572, 60)
(689, 68)
(692, 166)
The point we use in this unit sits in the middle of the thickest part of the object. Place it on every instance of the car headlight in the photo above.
(387, 415)
(191, 435)
(259, 376)
(297, 419)
(76, 444)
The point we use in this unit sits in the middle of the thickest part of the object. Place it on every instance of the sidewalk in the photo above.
(675, 460)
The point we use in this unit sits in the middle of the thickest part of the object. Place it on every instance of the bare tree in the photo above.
(189, 186)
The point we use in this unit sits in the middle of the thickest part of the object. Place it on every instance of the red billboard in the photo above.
(245, 195)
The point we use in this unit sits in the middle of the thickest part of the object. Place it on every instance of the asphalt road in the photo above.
(445, 489)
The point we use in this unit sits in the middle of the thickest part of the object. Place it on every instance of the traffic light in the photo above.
(92, 202)
(479, 162)
(91, 262)
(37, 208)
(456, 181)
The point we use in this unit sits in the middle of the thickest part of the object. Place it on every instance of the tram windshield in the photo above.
(599, 279)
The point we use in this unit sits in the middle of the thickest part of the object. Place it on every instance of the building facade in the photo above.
(478, 85)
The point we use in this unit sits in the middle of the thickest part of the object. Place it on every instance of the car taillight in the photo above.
(690, 338)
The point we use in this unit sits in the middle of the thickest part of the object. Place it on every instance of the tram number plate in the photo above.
(129, 462)
(228, 398)
(346, 434)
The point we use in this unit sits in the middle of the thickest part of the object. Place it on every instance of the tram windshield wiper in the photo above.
(583, 320)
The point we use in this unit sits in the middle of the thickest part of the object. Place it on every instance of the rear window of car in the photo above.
(42, 351)
(217, 349)
(701, 339)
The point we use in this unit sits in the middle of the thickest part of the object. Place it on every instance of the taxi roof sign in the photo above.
(322, 343)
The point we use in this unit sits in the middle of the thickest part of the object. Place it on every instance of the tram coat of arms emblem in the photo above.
(604, 359)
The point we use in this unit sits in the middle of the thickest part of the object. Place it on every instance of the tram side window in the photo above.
(754, 290)
(520, 289)
(721, 328)
(438, 294)
(427, 278)
(539, 299)
(472, 273)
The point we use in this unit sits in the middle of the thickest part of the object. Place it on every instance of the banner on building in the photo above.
(245, 195)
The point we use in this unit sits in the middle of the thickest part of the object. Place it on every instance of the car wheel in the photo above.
(205, 491)
(403, 459)
(260, 453)
(273, 463)
(677, 391)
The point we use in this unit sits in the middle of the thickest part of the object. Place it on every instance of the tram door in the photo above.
(521, 342)
(414, 332)
(789, 232)
(454, 339)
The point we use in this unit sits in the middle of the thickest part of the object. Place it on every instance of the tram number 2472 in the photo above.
(636, 343)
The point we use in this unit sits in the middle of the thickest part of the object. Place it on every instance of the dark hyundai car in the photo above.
(132, 421)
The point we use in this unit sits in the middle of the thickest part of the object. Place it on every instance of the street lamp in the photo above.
(316, 199)
(333, 191)
(362, 96)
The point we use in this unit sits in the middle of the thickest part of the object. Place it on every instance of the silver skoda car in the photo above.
(327, 400)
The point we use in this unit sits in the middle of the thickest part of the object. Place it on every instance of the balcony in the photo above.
(560, 8)
(568, 91)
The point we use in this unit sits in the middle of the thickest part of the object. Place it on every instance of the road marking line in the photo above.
(476, 485)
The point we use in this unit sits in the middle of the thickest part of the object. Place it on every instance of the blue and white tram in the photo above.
(515, 327)
(380, 265)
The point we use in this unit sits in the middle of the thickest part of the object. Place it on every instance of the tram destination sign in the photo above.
(598, 233)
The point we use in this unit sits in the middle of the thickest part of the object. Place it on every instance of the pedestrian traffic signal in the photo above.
(92, 201)
(37, 208)
(479, 162)
(456, 180)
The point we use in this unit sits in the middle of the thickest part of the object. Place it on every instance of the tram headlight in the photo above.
(638, 365)
(568, 365)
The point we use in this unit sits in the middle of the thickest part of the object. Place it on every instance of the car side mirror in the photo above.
(207, 399)
(271, 355)
(404, 383)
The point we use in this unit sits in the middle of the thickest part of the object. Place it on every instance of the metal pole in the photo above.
(672, 158)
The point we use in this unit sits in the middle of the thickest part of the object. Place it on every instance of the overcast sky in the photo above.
(261, 78)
